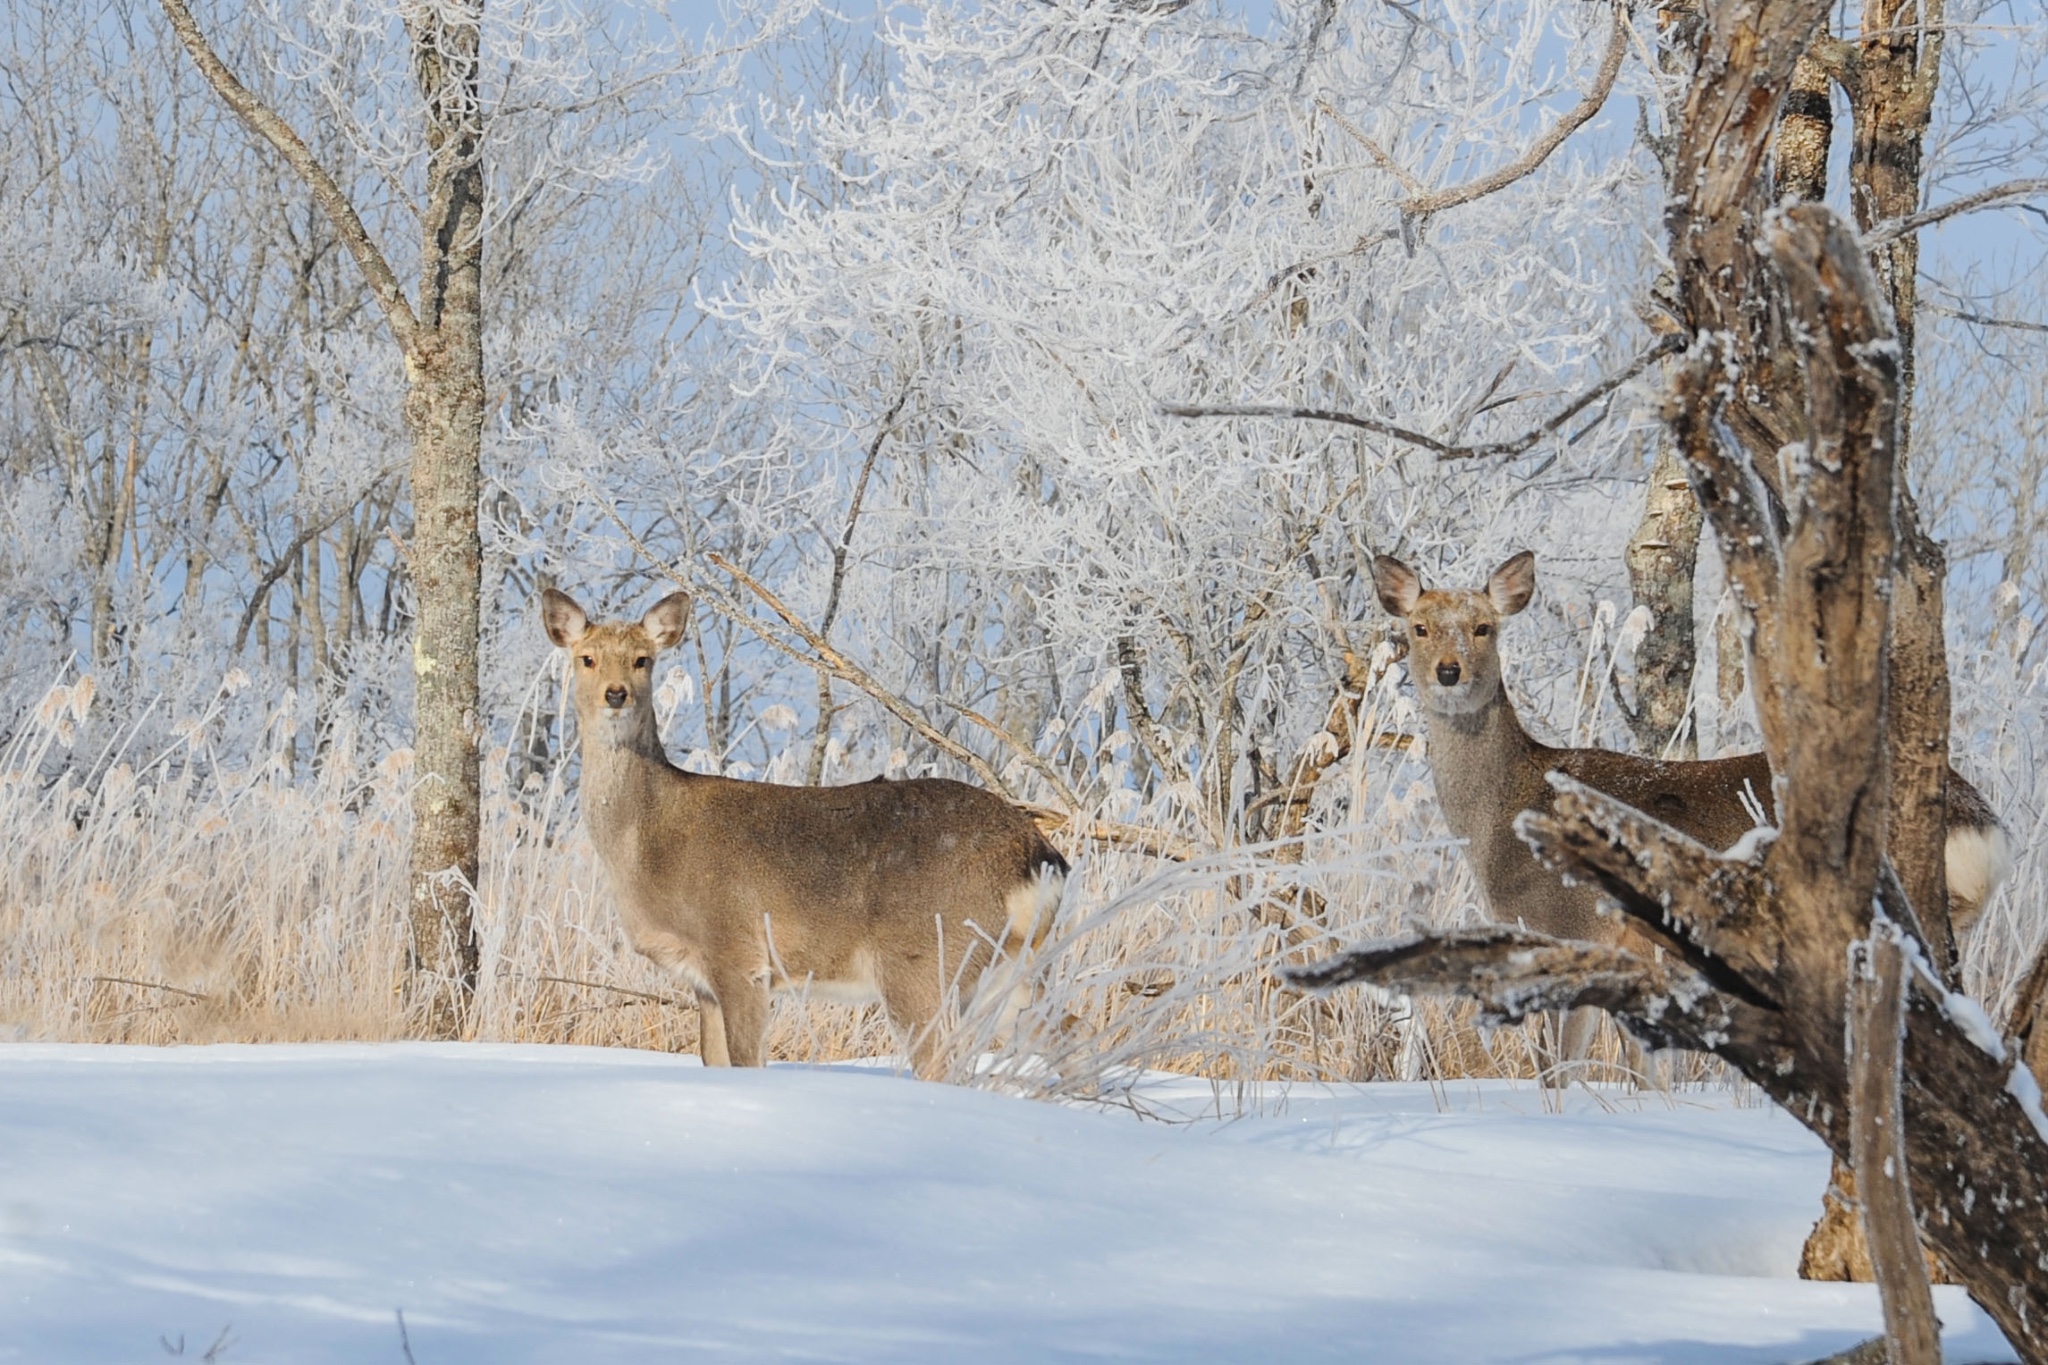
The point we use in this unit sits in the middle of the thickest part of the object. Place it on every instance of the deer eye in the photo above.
(1482, 629)
(589, 662)
(1421, 631)
(642, 661)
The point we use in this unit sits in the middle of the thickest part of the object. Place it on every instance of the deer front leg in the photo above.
(711, 1044)
(742, 1014)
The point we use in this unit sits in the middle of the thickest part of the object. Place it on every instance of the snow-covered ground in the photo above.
(575, 1205)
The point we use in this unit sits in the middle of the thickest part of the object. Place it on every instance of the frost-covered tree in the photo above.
(432, 96)
(982, 286)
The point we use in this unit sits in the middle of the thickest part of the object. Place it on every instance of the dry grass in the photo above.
(177, 900)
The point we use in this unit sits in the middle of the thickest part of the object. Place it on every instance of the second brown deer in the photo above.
(1488, 769)
(902, 892)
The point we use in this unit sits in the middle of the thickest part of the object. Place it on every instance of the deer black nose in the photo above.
(1447, 674)
(615, 697)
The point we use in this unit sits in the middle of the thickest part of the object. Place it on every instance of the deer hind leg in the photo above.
(1573, 1032)
(914, 998)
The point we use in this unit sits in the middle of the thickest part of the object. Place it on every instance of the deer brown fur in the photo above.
(903, 892)
(1488, 769)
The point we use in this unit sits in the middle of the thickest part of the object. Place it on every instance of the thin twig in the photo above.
(1374, 150)
(270, 577)
(1157, 843)
(151, 986)
(1984, 320)
(262, 120)
(815, 772)
(1445, 450)
(1423, 205)
(619, 990)
(827, 659)
(1895, 228)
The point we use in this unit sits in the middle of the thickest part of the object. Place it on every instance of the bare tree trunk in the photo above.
(1662, 557)
(441, 341)
(1891, 91)
(1663, 554)
(1805, 131)
(444, 414)
(1837, 1248)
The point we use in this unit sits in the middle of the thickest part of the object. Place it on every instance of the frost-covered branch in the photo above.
(333, 200)
(1436, 201)
(1514, 974)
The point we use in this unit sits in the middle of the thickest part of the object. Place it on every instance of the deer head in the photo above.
(613, 663)
(1454, 633)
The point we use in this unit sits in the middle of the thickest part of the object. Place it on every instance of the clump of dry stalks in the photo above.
(176, 899)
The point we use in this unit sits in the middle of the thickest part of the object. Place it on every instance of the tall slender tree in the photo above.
(439, 333)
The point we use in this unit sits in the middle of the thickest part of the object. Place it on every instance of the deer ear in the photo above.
(564, 620)
(669, 620)
(1396, 583)
(1513, 584)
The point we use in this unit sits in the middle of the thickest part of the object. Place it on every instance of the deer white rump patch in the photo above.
(1032, 906)
(1978, 860)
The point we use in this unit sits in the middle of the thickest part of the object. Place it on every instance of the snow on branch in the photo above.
(1436, 201)
(1514, 974)
(1707, 903)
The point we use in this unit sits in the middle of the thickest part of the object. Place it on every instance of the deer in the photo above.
(1488, 769)
(903, 892)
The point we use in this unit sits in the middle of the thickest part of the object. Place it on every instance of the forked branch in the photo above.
(333, 200)
(1423, 205)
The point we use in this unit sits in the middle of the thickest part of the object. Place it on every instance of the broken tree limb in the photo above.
(1704, 901)
(1974, 1150)
(1515, 974)
(1877, 1144)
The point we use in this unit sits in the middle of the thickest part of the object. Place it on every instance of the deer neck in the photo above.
(625, 776)
(1479, 760)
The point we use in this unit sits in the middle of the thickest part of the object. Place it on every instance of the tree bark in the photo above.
(1877, 1145)
(441, 342)
(1662, 557)
(444, 414)
(1891, 94)
(1836, 1249)
(1663, 554)
(1805, 131)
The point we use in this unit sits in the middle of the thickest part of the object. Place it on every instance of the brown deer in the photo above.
(903, 892)
(1488, 769)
